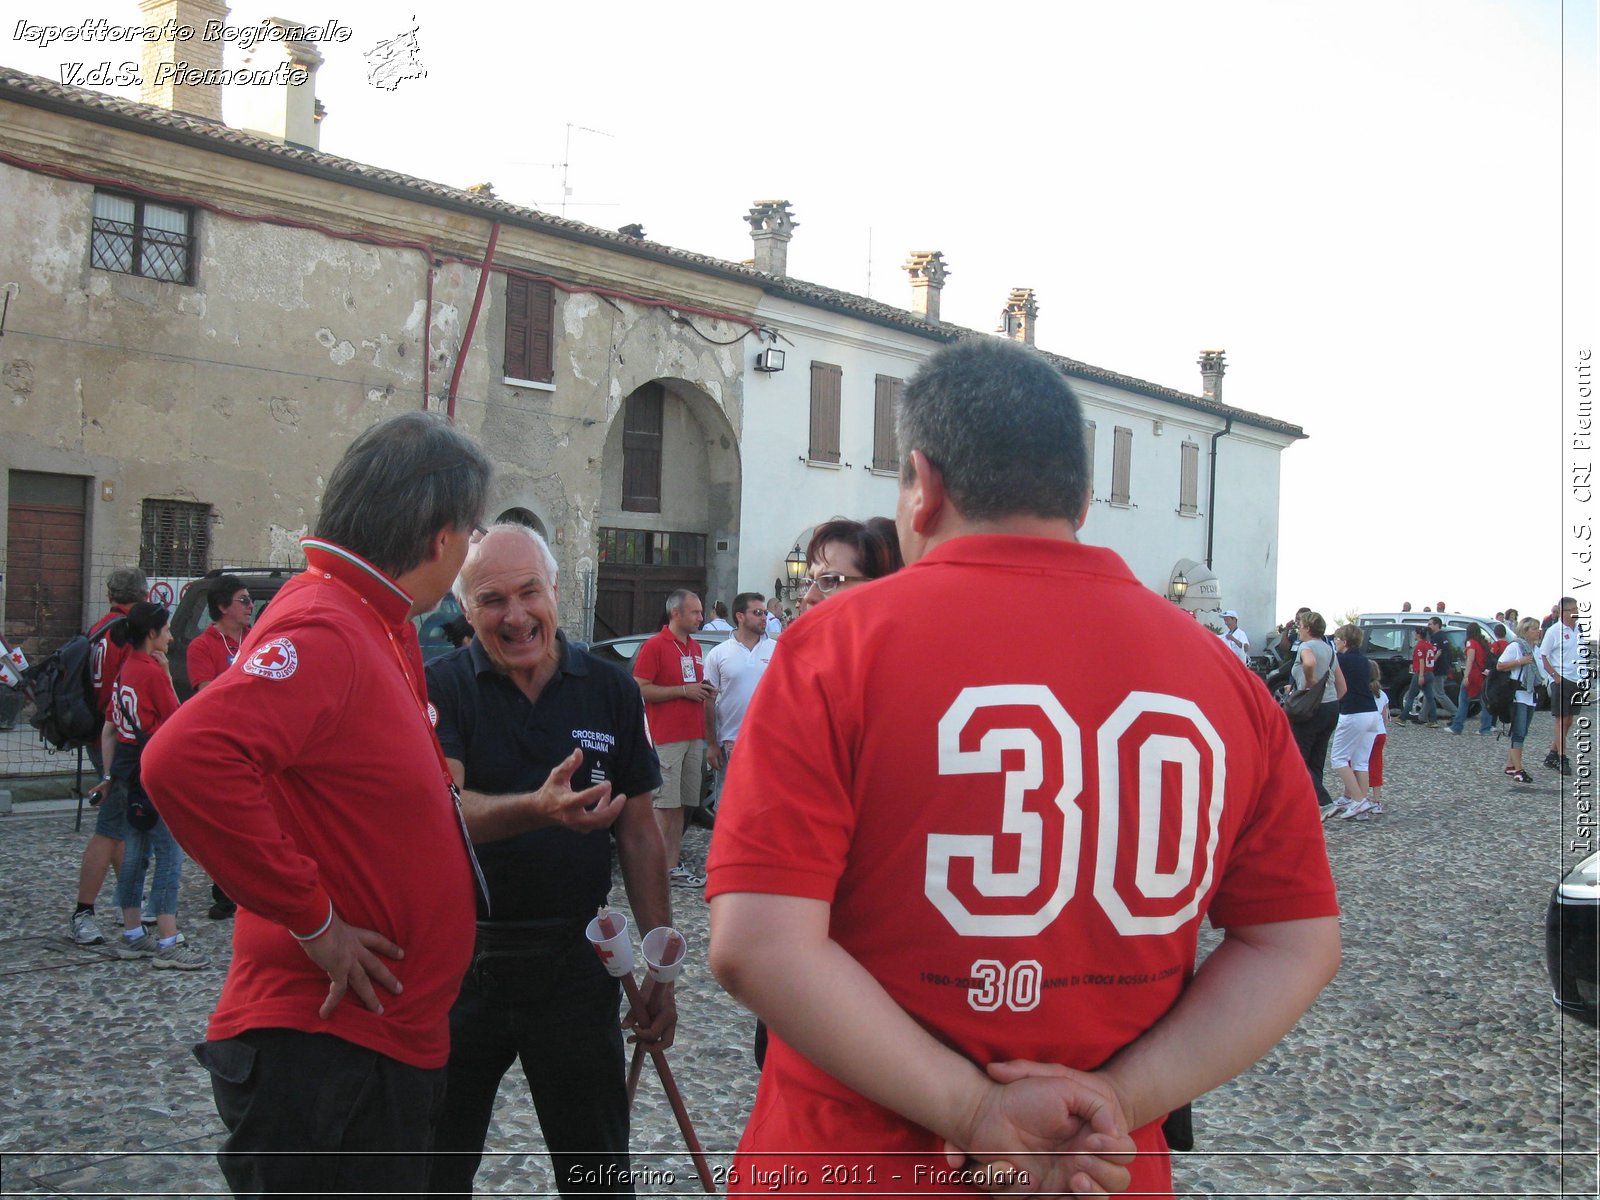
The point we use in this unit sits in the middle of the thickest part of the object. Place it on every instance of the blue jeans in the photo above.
(137, 846)
(1521, 714)
(1420, 685)
(1485, 717)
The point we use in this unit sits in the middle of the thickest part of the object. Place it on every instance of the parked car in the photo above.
(1448, 620)
(430, 628)
(1571, 935)
(191, 616)
(623, 651)
(1388, 647)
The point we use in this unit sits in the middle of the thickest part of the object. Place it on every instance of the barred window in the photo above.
(652, 548)
(175, 539)
(141, 237)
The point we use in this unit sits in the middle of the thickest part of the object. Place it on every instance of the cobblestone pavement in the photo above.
(1434, 1064)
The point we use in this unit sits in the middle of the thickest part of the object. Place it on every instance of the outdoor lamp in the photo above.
(1180, 587)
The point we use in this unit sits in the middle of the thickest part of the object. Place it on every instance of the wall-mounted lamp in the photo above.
(1180, 587)
(770, 360)
(794, 567)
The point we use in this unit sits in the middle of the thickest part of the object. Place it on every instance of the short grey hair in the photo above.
(675, 601)
(401, 482)
(461, 587)
(1003, 427)
(126, 585)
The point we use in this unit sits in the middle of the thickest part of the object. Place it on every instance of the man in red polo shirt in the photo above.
(968, 907)
(214, 651)
(672, 676)
(339, 834)
(125, 587)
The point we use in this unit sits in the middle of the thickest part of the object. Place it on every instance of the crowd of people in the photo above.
(1545, 664)
(896, 877)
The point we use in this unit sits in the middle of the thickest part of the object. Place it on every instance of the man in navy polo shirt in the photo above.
(548, 745)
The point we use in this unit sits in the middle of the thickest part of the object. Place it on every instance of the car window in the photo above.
(1385, 638)
(430, 627)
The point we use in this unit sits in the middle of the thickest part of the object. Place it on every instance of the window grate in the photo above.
(175, 539)
(133, 237)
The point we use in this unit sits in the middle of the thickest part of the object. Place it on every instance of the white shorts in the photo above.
(1352, 740)
(683, 767)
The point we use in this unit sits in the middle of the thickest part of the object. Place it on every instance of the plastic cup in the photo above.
(664, 952)
(608, 934)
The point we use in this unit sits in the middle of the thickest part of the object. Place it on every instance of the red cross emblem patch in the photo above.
(276, 659)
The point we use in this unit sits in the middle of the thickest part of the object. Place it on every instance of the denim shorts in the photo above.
(111, 817)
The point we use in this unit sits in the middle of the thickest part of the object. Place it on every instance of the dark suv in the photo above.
(1388, 648)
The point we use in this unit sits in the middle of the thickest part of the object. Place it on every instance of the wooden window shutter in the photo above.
(641, 449)
(530, 330)
(1121, 464)
(1189, 478)
(1088, 457)
(885, 454)
(826, 384)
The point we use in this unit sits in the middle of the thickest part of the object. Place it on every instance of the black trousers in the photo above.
(542, 996)
(1313, 737)
(358, 1121)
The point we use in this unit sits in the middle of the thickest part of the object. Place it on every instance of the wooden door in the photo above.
(44, 560)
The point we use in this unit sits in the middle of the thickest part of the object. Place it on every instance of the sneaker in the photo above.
(1553, 761)
(221, 912)
(180, 956)
(1376, 810)
(143, 946)
(1333, 810)
(1566, 765)
(1522, 777)
(1359, 809)
(1511, 770)
(84, 931)
(685, 878)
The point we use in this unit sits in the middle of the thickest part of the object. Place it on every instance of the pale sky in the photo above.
(1361, 203)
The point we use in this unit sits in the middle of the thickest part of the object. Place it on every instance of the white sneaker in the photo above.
(84, 931)
(685, 878)
(1376, 810)
(1336, 809)
(1359, 810)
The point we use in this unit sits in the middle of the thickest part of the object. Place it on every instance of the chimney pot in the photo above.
(771, 227)
(1213, 363)
(928, 271)
(1020, 315)
(289, 112)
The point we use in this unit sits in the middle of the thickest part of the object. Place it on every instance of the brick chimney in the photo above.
(199, 52)
(771, 227)
(289, 112)
(928, 273)
(1212, 365)
(1020, 315)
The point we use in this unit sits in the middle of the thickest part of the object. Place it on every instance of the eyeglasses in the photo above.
(829, 582)
(244, 599)
(478, 534)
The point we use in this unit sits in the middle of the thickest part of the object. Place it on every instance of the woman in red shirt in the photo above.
(1472, 679)
(141, 699)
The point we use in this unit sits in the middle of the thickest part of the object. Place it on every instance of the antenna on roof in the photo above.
(869, 262)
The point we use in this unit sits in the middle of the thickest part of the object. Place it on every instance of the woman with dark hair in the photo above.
(1314, 663)
(142, 698)
(843, 553)
(1473, 668)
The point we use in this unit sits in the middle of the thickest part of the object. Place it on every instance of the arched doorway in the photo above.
(522, 516)
(669, 511)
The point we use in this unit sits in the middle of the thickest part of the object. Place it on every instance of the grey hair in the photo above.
(461, 588)
(1002, 425)
(126, 585)
(676, 599)
(401, 482)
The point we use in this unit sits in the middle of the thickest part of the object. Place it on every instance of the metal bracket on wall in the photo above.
(10, 289)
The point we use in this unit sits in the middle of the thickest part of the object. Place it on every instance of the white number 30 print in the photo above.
(1059, 817)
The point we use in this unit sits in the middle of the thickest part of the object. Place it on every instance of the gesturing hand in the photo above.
(349, 956)
(1047, 1130)
(558, 804)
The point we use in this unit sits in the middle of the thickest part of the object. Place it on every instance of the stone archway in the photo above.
(522, 516)
(669, 509)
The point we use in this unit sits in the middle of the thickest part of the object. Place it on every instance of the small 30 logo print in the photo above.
(433, 716)
(275, 660)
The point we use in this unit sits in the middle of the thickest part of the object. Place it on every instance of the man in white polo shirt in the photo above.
(1564, 658)
(734, 668)
(1235, 638)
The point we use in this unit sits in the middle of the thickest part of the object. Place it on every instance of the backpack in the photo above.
(63, 698)
(1499, 688)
